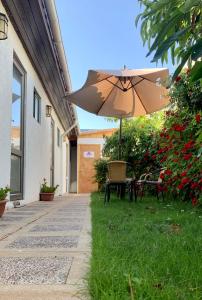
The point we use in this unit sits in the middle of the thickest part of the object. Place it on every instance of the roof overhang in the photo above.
(35, 28)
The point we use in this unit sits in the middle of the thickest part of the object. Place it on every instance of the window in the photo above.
(58, 137)
(37, 107)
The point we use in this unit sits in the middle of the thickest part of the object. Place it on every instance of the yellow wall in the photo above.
(86, 172)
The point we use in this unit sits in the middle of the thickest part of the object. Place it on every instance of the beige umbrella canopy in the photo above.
(122, 93)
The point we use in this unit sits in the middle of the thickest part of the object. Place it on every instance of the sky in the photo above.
(100, 35)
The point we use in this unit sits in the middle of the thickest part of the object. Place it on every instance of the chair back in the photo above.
(117, 170)
(159, 178)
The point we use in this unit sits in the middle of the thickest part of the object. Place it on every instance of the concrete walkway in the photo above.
(45, 250)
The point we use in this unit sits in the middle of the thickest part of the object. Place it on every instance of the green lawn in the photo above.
(145, 250)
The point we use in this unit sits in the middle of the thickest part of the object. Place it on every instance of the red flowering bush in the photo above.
(180, 152)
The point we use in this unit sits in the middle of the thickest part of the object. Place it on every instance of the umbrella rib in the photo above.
(115, 84)
(107, 97)
(133, 85)
(140, 100)
(146, 79)
(103, 79)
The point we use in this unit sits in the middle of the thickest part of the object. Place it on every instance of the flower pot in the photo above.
(2, 207)
(46, 196)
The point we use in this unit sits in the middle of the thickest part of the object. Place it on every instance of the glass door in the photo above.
(16, 183)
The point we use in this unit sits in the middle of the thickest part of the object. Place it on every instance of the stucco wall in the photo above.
(37, 136)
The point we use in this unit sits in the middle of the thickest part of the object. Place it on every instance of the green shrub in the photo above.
(4, 192)
(138, 138)
(100, 166)
(185, 94)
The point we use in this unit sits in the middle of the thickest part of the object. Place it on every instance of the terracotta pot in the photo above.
(46, 196)
(2, 207)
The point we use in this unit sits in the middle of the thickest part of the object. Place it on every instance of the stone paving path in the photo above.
(45, 250)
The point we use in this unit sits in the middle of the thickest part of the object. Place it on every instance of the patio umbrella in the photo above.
(122, 93)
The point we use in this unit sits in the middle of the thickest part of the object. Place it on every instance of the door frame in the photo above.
(20, 153)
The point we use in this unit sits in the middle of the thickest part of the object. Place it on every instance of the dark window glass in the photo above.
(37, 107)
(58, 137)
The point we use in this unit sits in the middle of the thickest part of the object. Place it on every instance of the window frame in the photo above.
(36, 106)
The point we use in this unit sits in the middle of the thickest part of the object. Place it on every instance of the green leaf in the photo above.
(165, 27)
(189, 4)
(199, 138)
(196, 71)
(183, 61)
(197, 50)
(166, 45)
(137, 19)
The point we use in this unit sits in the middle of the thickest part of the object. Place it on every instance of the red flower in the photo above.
(163, 159)
(188, 145)
(168, 172)
(198, 118)
(194, 201)
(180, 186)
(178, 78)
(178, 127)
(194, 185)
(183, 174)
(160, 151)
(154, 156)
(185, 180)
(187, 156)
(162, 175)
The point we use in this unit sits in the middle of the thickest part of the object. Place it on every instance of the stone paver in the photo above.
(45, 250)
(56, 227)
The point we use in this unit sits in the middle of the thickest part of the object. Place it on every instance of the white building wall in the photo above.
(37, 136)
(6, 71)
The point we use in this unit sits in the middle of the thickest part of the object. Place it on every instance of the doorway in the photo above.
(73, 167)
(52, 151)
(17, 133)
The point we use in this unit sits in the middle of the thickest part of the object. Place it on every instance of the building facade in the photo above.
(35, 119)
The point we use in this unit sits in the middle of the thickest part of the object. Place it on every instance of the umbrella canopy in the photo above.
(122, 93)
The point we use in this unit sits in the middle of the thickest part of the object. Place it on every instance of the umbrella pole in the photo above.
(120, 137)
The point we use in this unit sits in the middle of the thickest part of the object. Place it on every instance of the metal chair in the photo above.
(152, 179)
(117, 177)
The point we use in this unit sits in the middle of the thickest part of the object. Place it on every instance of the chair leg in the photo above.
(105, 198)
(134, 187)
(157, 192)
(141, 191)
(108, 193)
(122, 190)
(130, 189)
(162, 195)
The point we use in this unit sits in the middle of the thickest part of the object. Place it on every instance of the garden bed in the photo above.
(145, 250)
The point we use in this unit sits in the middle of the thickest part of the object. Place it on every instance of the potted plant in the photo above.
(3, 194)
(47, 192)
